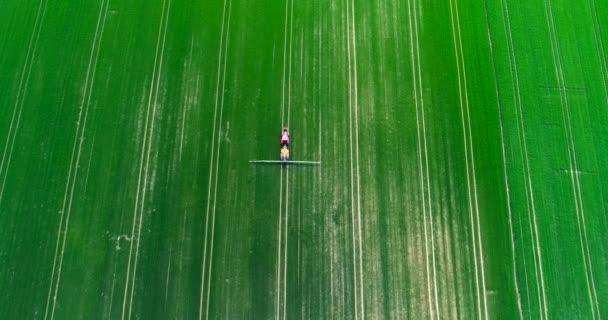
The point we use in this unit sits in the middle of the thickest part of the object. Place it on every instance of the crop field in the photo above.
(463, 149)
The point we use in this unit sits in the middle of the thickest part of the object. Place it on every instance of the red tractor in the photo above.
(285, 145)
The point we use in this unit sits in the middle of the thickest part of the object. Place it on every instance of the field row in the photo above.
(461, 144)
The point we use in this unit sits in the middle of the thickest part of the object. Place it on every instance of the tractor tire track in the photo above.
(146, 148)
(504, 148)
(72, 177)
(285, 259)
(480, 285)
(353, 102)
(22, 91)
(220, 76)
(224, 44)
(423, 163)
(527, 172)
(600, 47)
(573, 163)
(282, 255)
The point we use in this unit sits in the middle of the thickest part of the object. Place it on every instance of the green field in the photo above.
(463, 148)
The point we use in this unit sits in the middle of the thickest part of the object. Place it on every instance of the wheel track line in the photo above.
(280, 231)
(168, 274)
(352, 178)
(426, 157)
(332, 289)
(356, 89)
(286, 245)
(141, 164)
(572, 159)
(289, 74)
(22, 93)
(112, 292)
(302, 57)
(578, 182)
(525, 266)
(458, 53)
(279, 261)
(88, 174)
(530, 202)
(575, 176)
(24, 72)
(600, 47)
(504, 151)
(150, 141)
(188, 99)
(75, 157)
(217, 163)
(354, 101)
(142, 153)
(319, 98)
(420, 162)
(479, 239)
(284, 63)
(220, 75)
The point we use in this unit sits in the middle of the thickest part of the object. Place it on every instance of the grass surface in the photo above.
(462, 147)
